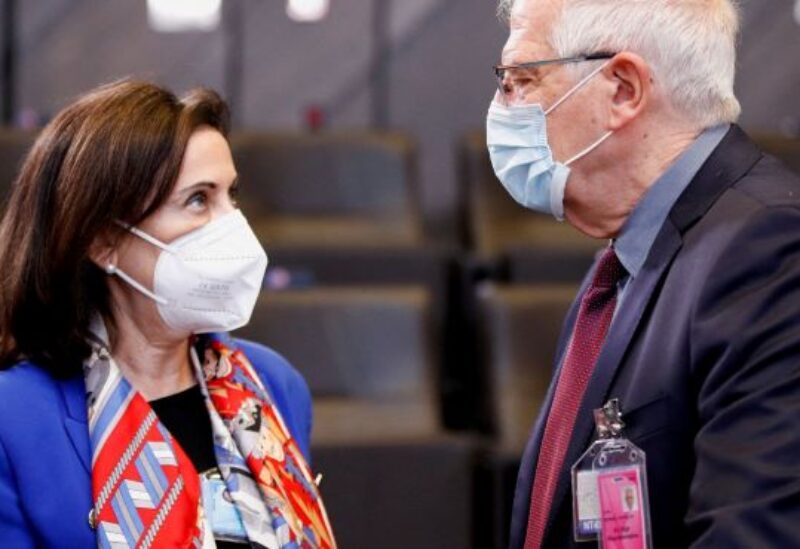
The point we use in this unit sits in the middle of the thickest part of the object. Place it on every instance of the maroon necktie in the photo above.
(591, 326)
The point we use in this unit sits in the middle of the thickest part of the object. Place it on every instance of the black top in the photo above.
(185, 416)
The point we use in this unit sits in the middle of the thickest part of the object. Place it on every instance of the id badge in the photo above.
(221, 513)
(622, 496)
(609, 487)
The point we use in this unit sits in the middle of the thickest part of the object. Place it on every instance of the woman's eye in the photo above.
(198, 199)
(233, 192)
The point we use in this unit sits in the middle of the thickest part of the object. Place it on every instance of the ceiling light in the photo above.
(184, 15)
(307, 11)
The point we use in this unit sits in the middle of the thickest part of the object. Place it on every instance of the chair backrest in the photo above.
(14, 147)
(520, 330)
(492, 221)
(545, 266)
(785, 148)
(366, 343)
(367, 355)
(336, 189)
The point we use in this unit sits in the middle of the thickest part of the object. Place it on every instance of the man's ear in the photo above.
(632, 88)
(103, 251)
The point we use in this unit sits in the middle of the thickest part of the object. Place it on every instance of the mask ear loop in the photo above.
(575, 88)
(569, 94)
(114, 270)
(588, 149)
(146, 237)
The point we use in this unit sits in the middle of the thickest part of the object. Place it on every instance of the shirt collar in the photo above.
(643, 225)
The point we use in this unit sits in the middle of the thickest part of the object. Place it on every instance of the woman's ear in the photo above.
(103, 251)
(633, 88)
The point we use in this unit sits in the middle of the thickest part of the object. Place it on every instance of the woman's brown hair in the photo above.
(112, 155)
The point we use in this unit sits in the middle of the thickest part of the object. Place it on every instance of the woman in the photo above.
(129, 417)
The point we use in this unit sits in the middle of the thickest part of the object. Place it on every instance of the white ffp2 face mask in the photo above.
(207, 280)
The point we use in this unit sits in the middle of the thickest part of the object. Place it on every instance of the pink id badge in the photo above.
(622, 517)
(622, 496)
(609, 487)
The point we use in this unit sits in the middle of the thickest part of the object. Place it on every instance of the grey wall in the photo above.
(437, 74)
(768, 82)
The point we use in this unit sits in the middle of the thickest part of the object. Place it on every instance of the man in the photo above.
(619, 116)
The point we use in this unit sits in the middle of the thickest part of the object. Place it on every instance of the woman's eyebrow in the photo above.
(197, 186)
(204, 185)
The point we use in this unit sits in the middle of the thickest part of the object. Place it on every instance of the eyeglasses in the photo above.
(500, 71)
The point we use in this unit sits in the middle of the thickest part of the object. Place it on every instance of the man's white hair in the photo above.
(690, 46)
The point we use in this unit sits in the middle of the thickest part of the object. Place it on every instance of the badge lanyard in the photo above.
(609, 487)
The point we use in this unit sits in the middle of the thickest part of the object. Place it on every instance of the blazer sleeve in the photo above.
(289, 389)
(14, 530)
(745, 490)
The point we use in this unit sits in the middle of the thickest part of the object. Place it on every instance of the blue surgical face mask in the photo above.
(521, 154)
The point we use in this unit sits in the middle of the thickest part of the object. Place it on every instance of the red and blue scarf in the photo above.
(147, 492)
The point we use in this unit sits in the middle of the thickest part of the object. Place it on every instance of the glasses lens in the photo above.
(499, 74)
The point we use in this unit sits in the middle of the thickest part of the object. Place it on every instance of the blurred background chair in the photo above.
(787, 149)
(340, 190)
(519, 326)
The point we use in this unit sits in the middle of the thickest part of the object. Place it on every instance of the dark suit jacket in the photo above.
(704, 355)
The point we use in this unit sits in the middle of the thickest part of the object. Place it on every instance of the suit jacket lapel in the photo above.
(74, 393)
(732, 159)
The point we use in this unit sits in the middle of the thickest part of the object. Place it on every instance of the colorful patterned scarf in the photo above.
(146, 491)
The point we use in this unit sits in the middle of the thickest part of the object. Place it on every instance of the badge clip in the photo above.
(608, 420)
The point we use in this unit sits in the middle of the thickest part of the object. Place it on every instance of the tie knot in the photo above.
(609, 270)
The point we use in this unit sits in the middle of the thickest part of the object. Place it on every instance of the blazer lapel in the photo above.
(74, 393)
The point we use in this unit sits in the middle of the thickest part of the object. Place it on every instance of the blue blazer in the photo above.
(45, 454)
(704, 356)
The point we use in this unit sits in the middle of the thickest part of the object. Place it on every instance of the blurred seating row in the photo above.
(427, 362)
(358, 191)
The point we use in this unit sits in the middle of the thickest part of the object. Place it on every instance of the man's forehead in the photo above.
(530, 26)
(542, 13)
